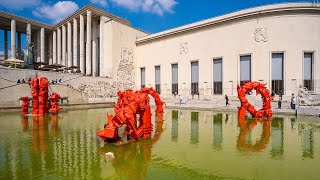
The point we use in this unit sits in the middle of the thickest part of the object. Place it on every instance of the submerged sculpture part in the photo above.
(129, 105)
(246, 106)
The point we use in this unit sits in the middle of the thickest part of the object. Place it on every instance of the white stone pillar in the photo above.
(69, 45)
(88, 45)
(5, 44)
(94, 48)
(13, 39)
(59, 46)
(50, 44)
(82, 55)
(64, 43)
(38, 45)
(75, 42)
(42, 44)
(54, 47)
(19, 45)
(28, 38)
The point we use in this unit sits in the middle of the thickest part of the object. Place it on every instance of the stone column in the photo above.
(13, 39)
(54, 47)
(59, 46)
(75, 42)
(88, 45)
(19, 45)
(94, 48)
(50, 44)
(28, 39)
(82, 55)
(64, 43)
(69, 45)
(5, 44)
(42, 44)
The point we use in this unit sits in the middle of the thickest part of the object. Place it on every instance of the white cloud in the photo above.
(102, 3)
(152, 6)
(19, 4)
(57, 11)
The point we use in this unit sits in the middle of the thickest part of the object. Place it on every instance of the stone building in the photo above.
(275, 44)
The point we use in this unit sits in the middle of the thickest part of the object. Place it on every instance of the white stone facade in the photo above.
(104, 45)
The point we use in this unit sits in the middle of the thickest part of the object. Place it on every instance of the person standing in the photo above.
(279, 102)
(294, 102)
(227, 100)
(180, 99)
(291, 102)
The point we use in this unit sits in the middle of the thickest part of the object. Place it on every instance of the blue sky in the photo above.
(149, 15)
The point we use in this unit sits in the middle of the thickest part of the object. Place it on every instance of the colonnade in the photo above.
(14, 47)
(65, 44)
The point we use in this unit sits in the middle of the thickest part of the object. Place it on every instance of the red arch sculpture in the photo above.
(128, 106)
(246, 106)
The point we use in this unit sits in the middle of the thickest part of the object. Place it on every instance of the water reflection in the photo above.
(246, 126)
(277, 136)
(132, 160)
(307, 141)
(217, 132)
(174, 126)
(194, 138)
(198, 145)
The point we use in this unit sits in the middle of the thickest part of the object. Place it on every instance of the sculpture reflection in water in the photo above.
(246, 126)
(129, 105)
(131, 161)
(40, 130)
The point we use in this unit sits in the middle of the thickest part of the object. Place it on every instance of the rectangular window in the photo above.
(245, 69)
(308, 71)
(277, 73)
(143, 77)
(194, 78)
(217, 76)
(157, 78)
(174, 80)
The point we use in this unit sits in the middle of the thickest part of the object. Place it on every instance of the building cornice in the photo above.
(24, 20)
(251, 12)
(94, 10)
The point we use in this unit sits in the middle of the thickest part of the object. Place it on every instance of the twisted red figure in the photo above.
(40, 95)
(128, 106)
(246, 106)
(25, 105)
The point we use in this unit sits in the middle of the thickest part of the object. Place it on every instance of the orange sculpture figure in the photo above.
(54, 99)
(25, 105)
(35, 94)
(246, 106)
(128, 106)
(40, 95)
(43, 96)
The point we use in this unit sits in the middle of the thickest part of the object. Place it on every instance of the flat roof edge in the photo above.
(231, 16)
(25, 20)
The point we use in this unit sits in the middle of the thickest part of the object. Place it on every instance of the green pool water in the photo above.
(189, 144)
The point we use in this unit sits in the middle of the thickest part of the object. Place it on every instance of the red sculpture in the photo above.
(54, 99)
(35, 94)
(39, 93)
(25, 105)
(128, 106)
(246, 106)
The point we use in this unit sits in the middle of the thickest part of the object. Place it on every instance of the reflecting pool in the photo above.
(189, 144)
